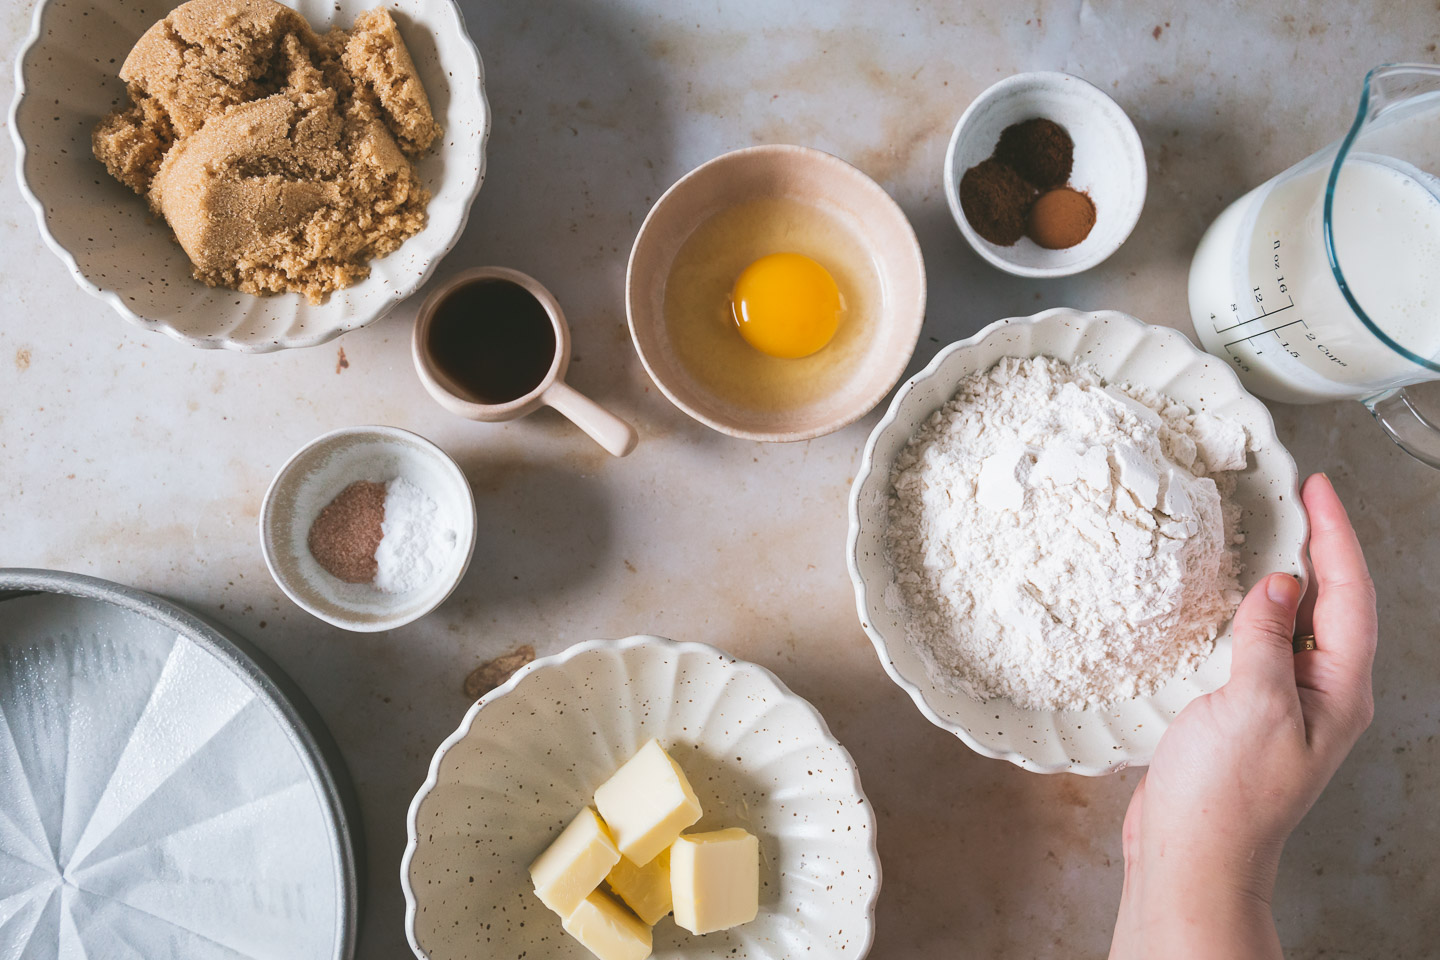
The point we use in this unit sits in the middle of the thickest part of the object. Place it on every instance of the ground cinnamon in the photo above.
(345, 535)
(1060, 218)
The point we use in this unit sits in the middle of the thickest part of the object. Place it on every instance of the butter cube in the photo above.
(573, 866)
(715, 879)
(646, 890)
(647, 802)
(608, 930)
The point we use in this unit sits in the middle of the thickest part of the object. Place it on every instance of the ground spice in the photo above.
(1018, 190)
(995, 199)
(1060, 218)
(1039, 150)
(345, 535)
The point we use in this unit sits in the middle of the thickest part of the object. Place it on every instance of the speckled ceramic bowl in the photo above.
(66, 80)
(529, 754)
(315, 475)
(1123, 349)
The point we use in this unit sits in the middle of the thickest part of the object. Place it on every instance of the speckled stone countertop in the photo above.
(128, 456)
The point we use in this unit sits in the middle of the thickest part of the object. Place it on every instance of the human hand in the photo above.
(1240, 767)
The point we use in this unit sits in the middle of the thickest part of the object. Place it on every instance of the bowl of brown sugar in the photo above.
(1045, 175)
(368, 528)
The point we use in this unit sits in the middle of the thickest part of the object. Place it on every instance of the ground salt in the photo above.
(1062, 542)
(415, 545)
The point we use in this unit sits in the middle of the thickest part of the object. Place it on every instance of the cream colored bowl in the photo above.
(529, 754)
(66, 80)
(814, 178)
(1123, 349)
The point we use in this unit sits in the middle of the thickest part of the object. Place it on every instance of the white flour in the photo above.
(413, 546)
(1062, 542)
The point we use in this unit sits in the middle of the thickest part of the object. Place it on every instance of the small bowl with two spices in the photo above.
(775, 293)
(368, 528)
(1045, 175)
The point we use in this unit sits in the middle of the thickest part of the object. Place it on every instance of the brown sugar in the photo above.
(377, 57)
(994, 198)
(344, 536)
(1060, 218)
(492, 673)
(280, 157)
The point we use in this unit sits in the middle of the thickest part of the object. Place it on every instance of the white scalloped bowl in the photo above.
(1094, 741)
(66, 79)
(530, 753)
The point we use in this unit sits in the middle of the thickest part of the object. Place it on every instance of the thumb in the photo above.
(1264, 630)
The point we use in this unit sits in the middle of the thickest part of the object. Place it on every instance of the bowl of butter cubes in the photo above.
(634, 798)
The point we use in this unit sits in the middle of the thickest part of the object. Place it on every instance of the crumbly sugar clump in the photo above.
(280, 157)
(1063, 542)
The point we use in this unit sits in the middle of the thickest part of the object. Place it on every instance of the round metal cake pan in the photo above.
(302, 726)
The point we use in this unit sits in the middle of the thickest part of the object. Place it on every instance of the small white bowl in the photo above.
(1109, 166)
(530, 753)
(67, 79)
(1122, 349)
(314, 476)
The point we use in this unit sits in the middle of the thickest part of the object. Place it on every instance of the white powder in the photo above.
(1064, 542)
(414, 545)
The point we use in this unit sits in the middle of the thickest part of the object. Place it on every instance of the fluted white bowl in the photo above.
(1093, 741)
(530, 753)
(66, 79)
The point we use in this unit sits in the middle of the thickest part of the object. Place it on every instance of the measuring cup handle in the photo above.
(1412, 430)
(606, 429)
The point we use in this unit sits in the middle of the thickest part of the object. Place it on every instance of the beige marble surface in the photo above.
(127, 456)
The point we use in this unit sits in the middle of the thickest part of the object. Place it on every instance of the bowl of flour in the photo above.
(1052, 527)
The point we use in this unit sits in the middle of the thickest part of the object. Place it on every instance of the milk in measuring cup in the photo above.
(1263, 296)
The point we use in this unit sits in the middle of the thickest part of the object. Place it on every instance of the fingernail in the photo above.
(1283, 589)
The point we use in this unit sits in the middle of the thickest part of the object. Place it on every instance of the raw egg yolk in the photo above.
(786, 305)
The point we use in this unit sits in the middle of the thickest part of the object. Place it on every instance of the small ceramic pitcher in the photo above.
(608, 430)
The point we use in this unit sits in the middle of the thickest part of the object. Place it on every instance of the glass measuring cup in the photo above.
(1323, 283)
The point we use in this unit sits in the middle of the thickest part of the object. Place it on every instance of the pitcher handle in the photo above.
(1412, 430)
(606, 429)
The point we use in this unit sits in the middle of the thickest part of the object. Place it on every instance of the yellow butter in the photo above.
(608, 930)
(646, 803)
(715, 879)
(646, 890)
(573, 866)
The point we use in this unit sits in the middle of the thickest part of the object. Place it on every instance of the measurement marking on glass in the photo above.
(1263, 332)
(1262, 316)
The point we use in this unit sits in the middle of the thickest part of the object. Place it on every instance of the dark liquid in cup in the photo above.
(493, 340)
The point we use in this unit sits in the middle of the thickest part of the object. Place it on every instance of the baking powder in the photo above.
(415, 545)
